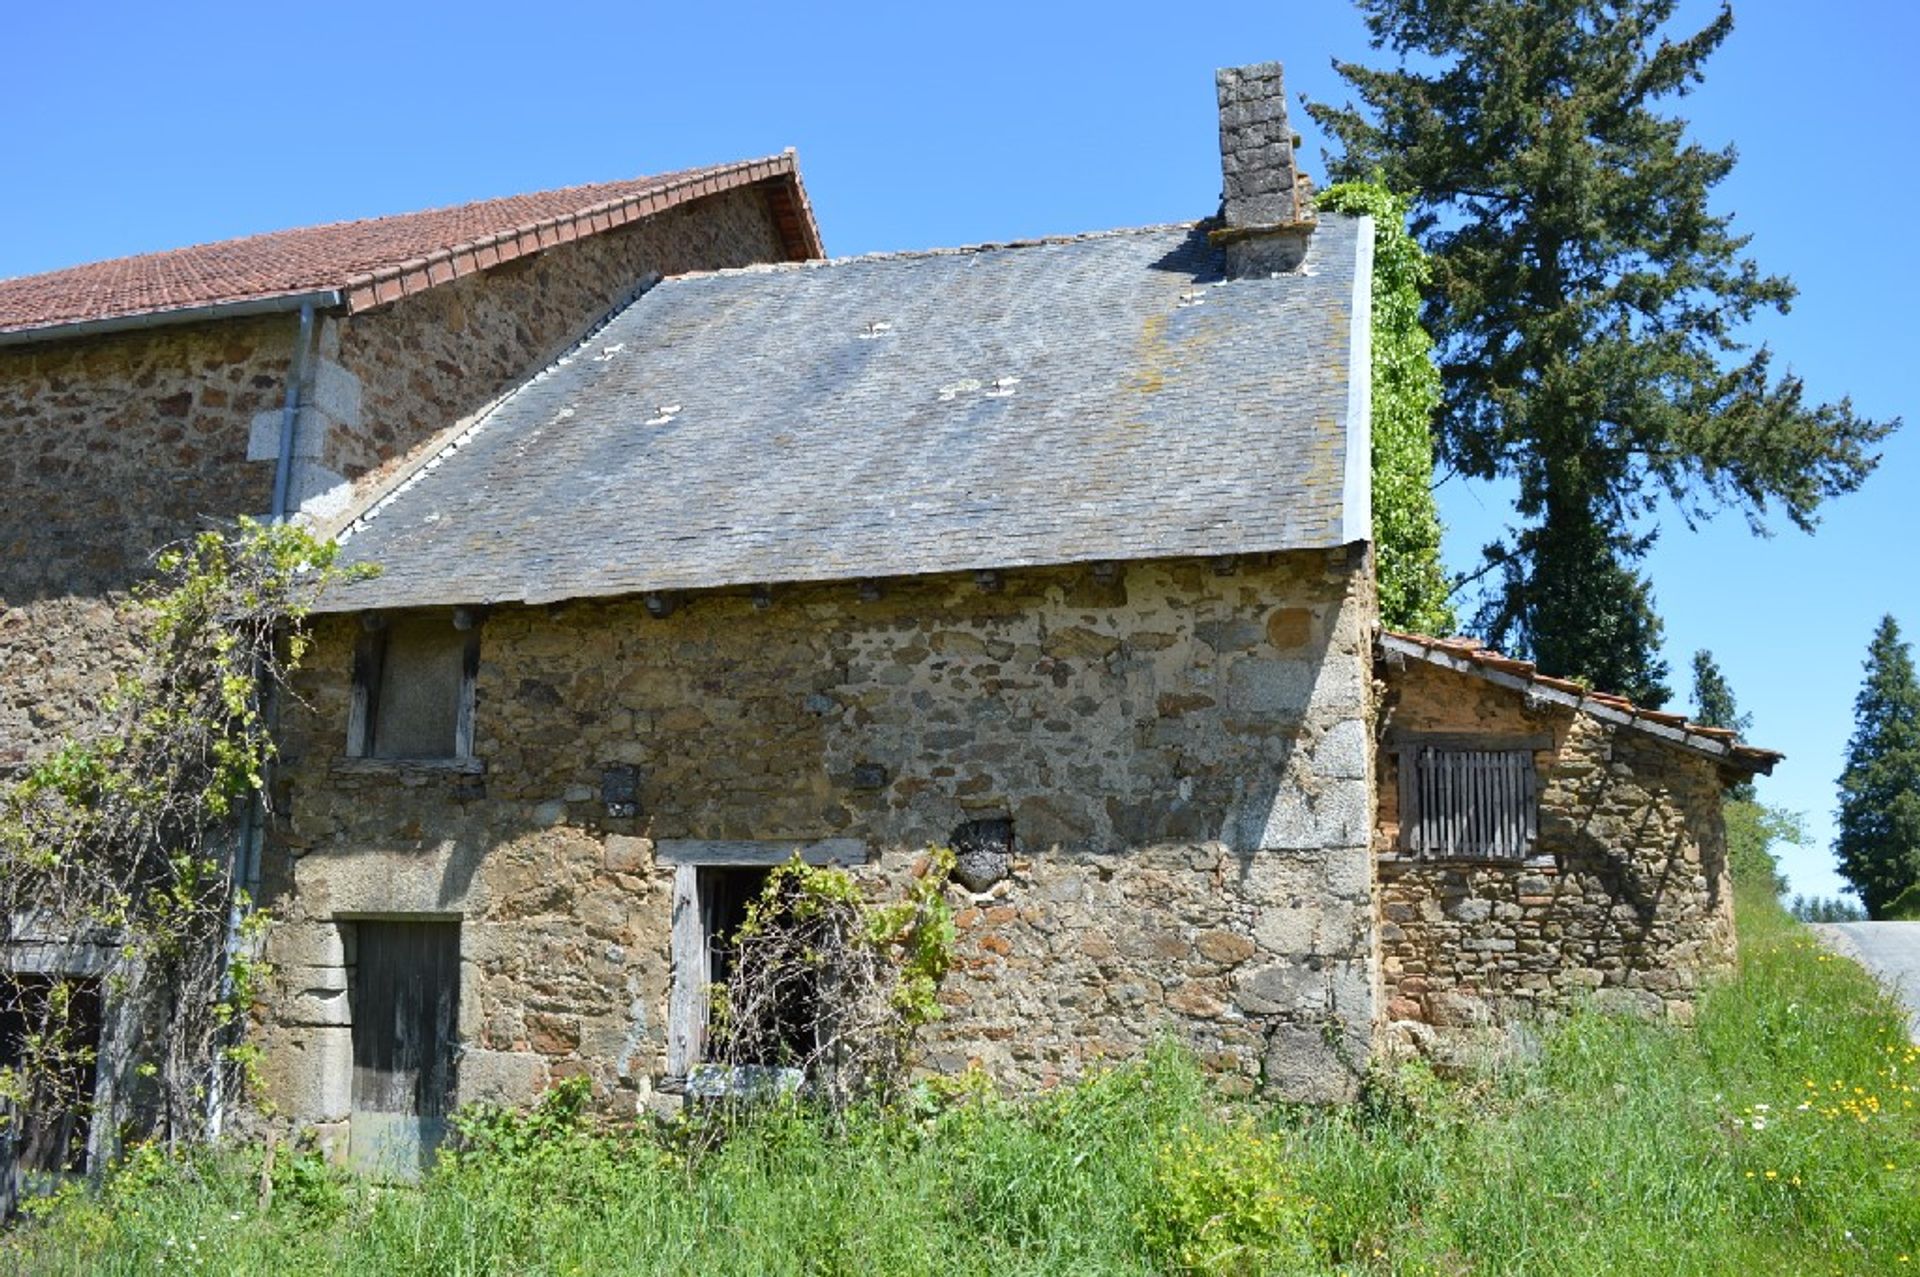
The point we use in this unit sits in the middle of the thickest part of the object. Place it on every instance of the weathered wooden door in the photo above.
(405, 1015)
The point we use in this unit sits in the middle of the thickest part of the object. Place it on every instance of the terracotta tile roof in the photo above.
(1469, 656)
(379, 260)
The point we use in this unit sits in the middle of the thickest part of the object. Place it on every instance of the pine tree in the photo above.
(1714, 705)
(1569, 600)
(1586, 303)
(1878, 848)
(1713, 698)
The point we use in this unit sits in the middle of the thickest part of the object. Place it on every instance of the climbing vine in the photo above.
(123, 855)
(1406, 393)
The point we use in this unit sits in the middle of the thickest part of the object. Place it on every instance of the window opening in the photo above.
(1468, 803)
(413, 687)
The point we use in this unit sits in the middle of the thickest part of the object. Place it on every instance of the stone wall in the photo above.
(1185, 755)
(111, 446)
(1627, 900)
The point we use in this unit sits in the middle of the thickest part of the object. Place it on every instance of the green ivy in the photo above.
(1406, 393)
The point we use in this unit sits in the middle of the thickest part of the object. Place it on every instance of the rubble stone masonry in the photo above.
(112, 446)
(1185, 754)
(1627, 899)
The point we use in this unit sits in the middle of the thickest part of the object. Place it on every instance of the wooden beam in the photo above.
(720, 853)
(686, 1008)
(1399, 742)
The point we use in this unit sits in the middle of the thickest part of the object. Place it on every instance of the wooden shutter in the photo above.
(1472, 803)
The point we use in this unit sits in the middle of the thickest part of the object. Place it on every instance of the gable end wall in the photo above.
(113, 446)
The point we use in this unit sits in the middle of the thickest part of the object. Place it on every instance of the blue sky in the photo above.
(139, 127)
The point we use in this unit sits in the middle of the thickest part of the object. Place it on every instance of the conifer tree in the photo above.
(1587, 305)
(1714, 705)
(1878, 847)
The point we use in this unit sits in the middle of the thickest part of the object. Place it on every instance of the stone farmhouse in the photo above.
(699, 551)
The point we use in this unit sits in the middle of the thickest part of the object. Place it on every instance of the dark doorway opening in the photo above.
(726, 893)
(406, 1004)
(57, 1019)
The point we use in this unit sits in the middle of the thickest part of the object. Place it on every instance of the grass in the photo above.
(1778, 1135)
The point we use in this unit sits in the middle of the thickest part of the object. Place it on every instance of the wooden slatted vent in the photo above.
(1475, 803)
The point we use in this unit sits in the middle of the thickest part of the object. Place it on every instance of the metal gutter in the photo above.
(244, 872)
(322, 299)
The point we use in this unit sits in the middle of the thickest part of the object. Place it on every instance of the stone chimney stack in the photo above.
(1267, 208)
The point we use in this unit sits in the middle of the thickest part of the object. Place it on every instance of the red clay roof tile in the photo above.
(1475, 653)
(381, 259)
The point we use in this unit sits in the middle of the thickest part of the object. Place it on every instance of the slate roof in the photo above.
(377, 260)
(1470, 656)
(1102, 397)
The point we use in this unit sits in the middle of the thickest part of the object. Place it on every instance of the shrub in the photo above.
(1753, 830)
(1904, 907)
(1224, 1203)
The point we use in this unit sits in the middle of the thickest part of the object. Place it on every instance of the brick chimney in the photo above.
(1266, 205)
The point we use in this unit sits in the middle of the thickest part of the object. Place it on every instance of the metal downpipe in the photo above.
(248, 846)
(290, 415)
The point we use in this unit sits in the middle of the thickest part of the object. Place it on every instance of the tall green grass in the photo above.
(1779, 1135)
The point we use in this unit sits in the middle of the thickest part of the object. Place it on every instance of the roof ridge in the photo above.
(955, 250)
(391, 280)
(368, 262)
(340, 223)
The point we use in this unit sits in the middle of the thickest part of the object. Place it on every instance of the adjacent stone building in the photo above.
(287, 374)
(143, 398)
(1060, 551)
(1613, 881)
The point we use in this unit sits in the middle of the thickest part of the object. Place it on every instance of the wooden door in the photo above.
(406, 1000)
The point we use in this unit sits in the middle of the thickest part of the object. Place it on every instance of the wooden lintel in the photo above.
(720, 853)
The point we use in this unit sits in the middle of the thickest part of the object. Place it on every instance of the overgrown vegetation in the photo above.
(1753, 831)
(1406, 393)
(122, 855)
(1905, 907)
(1777, 1135)
(835, 986)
